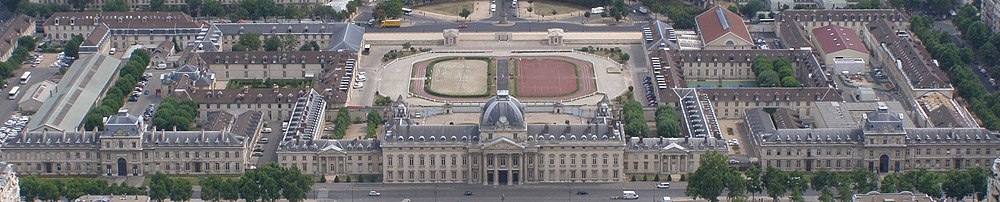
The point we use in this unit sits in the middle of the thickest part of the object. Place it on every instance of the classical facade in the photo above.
(10, 189)
(881, 143)
(128, 148)
(503, 149)
(735, 65)
(329, 36)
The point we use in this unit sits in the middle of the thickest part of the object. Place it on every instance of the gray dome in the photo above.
(502, 110)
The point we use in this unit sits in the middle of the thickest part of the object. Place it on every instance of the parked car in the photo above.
(468, 193)
(374, 193)
(266, 130)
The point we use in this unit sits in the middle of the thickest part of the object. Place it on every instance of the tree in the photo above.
(374, 120)
(844, 192)
(407, 45)
(618, 10)
(465, 13)
(72, 48)
(776, 182)
(159, 187)
(755, 183)
(666, 122)
(289, 43)
(768, 78)
(26, 42)
(635, 123)
(390, 9)
(173, 113)
(866, 4)
(890, 184)
(156, 5)
(977, 34)
(826, 195)
(213, 8)
(272, 44)
(248, 42)
(212, 188)
(823, 179)
(115, 6)
(256, 9)
(711, 178)
(309, 46)
(941, 7)
(750, 9)
(789, 81)
(957, 184)
(80, 5)
(180, 190)
(623, 58)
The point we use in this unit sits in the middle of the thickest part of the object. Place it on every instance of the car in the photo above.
(258, 149)
(734, 161)
(493, 8)
(266, 130)
(133, 98)
(362, 78)
(359, 85)
(468, 193)
(257, 154)
(582, 193)
(663, 185)
(374, 193)
(463, 25)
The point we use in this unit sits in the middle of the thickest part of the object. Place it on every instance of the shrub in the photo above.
(336, 179)
(348, 179)
(682, 178)
(657, 178)
(645, 178)
(670, 178)
(633, 178)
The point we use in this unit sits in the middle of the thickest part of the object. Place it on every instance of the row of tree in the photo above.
(715, 177)
(679, 12)
(114, 98)
(24, 45)
(28, 8)
(175, 113)
(267, 183)
(252, 42)
(666, 122)
(162, 187)
(778, 73)
(953, 60)
(33, 188)
(340, 123)
(374, 121)
(635, 121)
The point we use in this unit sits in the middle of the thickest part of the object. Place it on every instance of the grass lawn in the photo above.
(546, 7)
(449, 8)
(725, 84)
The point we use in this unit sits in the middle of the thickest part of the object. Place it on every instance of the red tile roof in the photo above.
(833, 38)
(712, 26)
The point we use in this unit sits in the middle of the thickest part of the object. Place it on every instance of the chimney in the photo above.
(63, 138)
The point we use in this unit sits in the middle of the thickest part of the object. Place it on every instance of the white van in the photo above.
(629, 195)
(113, 50)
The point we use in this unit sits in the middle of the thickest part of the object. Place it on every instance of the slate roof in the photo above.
(281, 28)
(349, 38)
(265, 57)
(571, 132)
(833, 38)
(772, 94)
(502, 108)
(125, 20)
(686, 144)
(342, 146)
(950, 135)
(218, 121)
(858, 15)
(718, 21)
(820, 135)
(759, 122)
(793, 35)
(741, 56)
(76, 93)
(95, 37)
(917, 67)
(84, 139)
(434, 133)
(13, 29)
(660, 35)
(190, 75)
(192, 138)
(236, 96)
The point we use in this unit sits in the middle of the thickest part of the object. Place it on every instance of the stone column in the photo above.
(510, 168)
(496, 170)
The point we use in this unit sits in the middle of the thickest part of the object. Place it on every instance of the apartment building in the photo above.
(126, 28)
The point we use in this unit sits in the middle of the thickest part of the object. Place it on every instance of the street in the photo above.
(455, 192)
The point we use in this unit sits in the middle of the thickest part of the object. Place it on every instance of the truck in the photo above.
(627, 195)
(391, 23)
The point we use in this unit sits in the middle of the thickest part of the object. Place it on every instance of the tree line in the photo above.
(715, 177)
(635, 121)
(267, 183)
(34, 188)
(114, 98)
(679, 12)
(666, 122)
(953, 58)
(374, 121)
(175, 113)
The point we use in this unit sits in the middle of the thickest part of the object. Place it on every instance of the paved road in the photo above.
(38, 74)
(455, 192)
(518, 26)
(138, 107)
(502, 79)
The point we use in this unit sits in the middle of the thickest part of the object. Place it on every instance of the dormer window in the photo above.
(72, 21)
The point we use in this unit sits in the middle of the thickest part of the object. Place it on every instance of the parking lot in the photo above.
(40, 73)
(148, 94)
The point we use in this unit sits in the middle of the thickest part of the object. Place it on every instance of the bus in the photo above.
(407, 11)
(13, 92)
(25, 77)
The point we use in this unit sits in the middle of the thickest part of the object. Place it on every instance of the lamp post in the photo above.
(352, 192)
